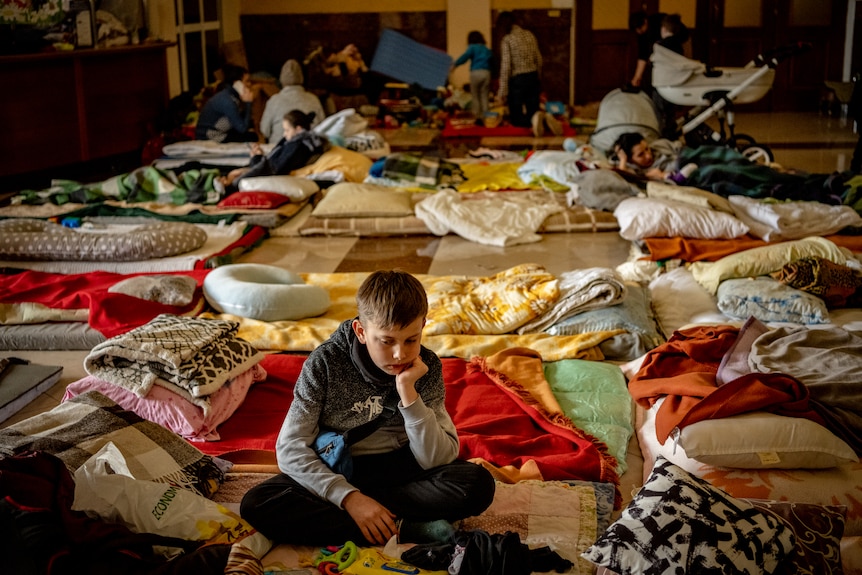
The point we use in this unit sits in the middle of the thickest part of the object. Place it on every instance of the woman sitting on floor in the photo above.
(299, 147)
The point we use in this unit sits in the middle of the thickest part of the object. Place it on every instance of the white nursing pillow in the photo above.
(263, 292)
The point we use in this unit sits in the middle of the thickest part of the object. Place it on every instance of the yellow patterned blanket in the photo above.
(523, 292)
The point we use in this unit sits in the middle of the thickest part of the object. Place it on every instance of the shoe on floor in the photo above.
(538, 123)
(438, 531)
(553, 125)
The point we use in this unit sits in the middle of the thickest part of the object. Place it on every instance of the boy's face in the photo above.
(394, 349)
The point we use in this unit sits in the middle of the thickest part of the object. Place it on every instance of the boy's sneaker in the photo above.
(439, 531)
(538, 123)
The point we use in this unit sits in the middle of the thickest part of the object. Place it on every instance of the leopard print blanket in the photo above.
(838, 285)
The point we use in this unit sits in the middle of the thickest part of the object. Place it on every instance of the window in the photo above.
(199, 38)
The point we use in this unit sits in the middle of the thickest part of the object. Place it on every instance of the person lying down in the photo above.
(299, 147)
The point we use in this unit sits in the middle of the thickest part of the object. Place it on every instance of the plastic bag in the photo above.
(104, 488)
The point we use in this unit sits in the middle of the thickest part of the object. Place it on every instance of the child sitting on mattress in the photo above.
(406, 478)
(298, 148)
(653, 161)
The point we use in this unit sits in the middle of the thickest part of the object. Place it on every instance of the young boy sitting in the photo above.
(406, 476)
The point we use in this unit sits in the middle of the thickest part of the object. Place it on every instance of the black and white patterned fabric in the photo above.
(679, 523)
(190, 356)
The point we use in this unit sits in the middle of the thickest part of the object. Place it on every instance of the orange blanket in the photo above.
(693, 250)
(683, 371)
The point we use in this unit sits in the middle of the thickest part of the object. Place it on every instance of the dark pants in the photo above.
(856, 161)
(286, 512)
(524, 92)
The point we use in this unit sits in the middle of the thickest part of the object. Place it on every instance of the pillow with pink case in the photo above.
(173, 411)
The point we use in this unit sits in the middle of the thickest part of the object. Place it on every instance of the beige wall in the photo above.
(161, 18)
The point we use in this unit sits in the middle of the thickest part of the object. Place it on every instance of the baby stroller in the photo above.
(621, 111)
(713, 92)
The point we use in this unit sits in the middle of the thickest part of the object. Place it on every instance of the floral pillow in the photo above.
(818, 530)
(679, 523)
(769, 300)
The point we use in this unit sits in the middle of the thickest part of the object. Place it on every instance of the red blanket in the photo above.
(493, 425)
(110, 313)
(683, 370)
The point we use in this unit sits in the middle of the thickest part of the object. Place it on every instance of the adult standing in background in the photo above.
(648, 31)
(226, 117)
(293, 96)
(520, 69)
(673, 36)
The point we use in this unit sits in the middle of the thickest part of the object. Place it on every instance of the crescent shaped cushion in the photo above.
(263, 292)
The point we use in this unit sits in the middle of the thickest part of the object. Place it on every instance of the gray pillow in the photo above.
(603, 189)
(166, 289)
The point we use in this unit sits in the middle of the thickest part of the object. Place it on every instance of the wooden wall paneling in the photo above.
(69, 107)
(121, 106)
(39, 120)
(270, 40)
(609, 62)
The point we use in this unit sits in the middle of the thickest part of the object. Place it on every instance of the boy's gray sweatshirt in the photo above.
(331, 392)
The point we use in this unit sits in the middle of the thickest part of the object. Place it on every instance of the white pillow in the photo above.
(763, 260)
(653, 217)
(353, 200)
(761, 440)
(558, 165)
(677, 298)
(297, 189)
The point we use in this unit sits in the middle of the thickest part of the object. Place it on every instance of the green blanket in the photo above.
(146, 184)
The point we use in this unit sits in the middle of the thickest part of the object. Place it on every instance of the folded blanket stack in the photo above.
(194, 357)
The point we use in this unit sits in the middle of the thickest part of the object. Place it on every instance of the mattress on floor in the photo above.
(21, 383)
(50, 336)
(571, 219)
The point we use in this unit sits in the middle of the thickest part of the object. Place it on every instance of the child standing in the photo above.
(479, 56)
(406, 475)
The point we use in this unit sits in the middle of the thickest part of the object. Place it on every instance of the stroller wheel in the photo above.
(757, 153)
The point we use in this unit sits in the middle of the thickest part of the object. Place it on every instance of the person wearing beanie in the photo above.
(292, 96)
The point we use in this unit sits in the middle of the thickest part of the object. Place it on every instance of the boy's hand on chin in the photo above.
(405, 382)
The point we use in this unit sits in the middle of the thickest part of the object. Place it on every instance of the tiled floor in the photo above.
(809, 142)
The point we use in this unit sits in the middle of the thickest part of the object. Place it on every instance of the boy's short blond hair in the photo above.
(391, 298)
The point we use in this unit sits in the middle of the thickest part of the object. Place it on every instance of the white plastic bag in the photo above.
(104, 488)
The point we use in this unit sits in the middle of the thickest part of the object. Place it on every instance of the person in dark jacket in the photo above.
(299, 147)
(226, 117)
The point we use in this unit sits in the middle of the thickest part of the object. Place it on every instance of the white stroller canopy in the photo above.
(672, 69)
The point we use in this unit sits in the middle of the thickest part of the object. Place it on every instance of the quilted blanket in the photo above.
(77, 429)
